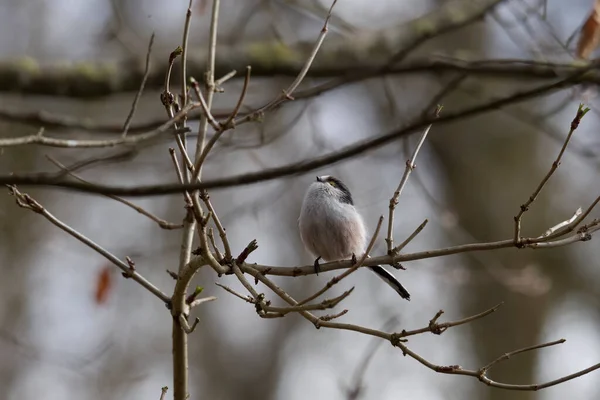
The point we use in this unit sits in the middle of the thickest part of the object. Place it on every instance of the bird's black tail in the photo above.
(392, 281)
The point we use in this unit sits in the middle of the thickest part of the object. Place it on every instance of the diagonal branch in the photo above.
(26, 201)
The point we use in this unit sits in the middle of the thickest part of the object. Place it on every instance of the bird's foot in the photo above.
(354, 260)
(317, 266)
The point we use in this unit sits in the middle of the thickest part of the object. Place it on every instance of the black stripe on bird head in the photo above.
(345, 196)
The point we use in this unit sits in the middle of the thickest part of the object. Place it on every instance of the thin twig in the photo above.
(581, 111)
(211, 238)
(438, 328)
(397, 341)
(421, 255)
(561, 226)
(574, 224)
(179, 173)
(141, 90)
(26, 201)
(209, 82)
(508, 355)
(204, 106)
(163, 392)
(184, 47)
(222, 234)
(287, 93)
(323, 305)
(410, 166)
(186, 326)
(233, 292)
(225, 78)
(97, 143)
(296, 167)
(161, 222)
(409, 239)
(203, 300)
(228, 124)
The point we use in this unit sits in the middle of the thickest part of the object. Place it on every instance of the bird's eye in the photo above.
(332, 183)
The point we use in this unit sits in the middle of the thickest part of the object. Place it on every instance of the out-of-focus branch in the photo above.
(298, 167)
(267, 58)
(127, 123)
(504, 68)
(40, 139)
(161, 222)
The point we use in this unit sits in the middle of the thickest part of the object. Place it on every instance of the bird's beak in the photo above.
(319, 179)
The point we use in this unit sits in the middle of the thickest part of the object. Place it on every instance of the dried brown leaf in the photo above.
(104, 284)
(590, 33)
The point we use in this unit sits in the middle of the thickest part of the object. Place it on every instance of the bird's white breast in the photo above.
(329, 228)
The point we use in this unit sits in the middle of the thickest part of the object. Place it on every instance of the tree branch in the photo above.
(298, 167)
(267, 58)
(26, 201)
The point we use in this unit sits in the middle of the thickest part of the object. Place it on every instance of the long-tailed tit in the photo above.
(332, 229)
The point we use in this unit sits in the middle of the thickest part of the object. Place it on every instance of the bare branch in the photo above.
(464, 248)
(508, 68)
(294, 168)
(123, 75)
(161, 222)
(186, 326)
(70, 143)
(508, 355)
(287, 93)
(581, 111)
(26, 201)
(439, 328)
(563, 224)
(409, 239)
(141, 90)
(233, 292)
(163, 392)
(240, 102)
(410, 166)
(203, 300)
(225, 78)
(205, 109)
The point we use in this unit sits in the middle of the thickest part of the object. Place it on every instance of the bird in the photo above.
(332, 229)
